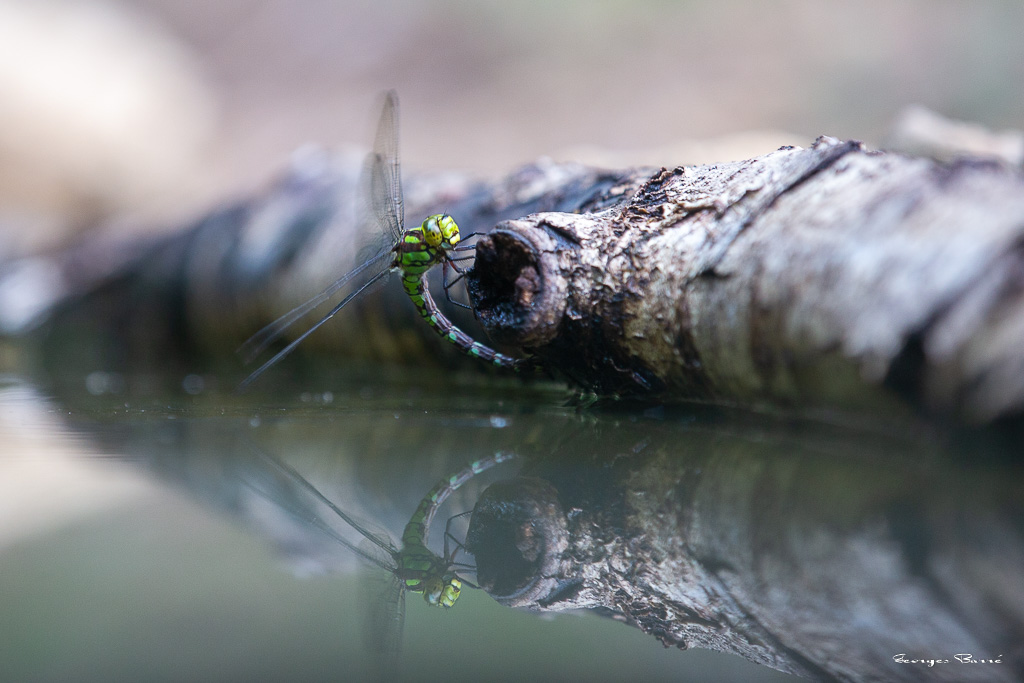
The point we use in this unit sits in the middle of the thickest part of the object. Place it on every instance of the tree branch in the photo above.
(821, 276)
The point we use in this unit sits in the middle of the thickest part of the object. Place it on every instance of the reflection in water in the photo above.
(413, 567)
(818, 564)
(814, 549)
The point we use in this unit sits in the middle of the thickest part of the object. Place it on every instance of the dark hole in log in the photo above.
(513, 535)
(503, 284)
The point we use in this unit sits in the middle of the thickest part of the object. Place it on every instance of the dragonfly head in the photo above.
(442, 591)
(441, 230)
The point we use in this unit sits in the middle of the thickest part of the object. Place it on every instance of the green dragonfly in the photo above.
(410, 251)
(413, 567)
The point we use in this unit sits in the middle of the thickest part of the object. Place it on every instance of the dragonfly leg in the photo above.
(457, 542)
(448, 285)
(462, 246)
(449, 536)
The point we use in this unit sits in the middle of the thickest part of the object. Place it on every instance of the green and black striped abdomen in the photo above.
(421, 570)
(414, 258)
(419, 524)
(415, 287)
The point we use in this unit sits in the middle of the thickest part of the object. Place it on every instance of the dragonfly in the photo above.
(412, 252)
(413, 567)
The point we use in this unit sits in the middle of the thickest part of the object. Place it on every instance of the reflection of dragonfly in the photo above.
(411, 251)
(413, 567)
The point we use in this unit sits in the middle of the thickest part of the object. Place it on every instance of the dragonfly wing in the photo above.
(381, 552)
(282, 485)
(382, 191)
(373, 262)
(383, 173)
(383, 622)
(294, 343)
(382, 591)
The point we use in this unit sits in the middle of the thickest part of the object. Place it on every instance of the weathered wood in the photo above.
(824, 276)
(816, 278)
(824, 567)
(185, 302)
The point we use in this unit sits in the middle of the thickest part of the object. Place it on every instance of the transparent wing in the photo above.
(384, 620)
(381, 190)
(270, 488)
(379, 277)
(256, 344)
(386, 550)
(383, 173)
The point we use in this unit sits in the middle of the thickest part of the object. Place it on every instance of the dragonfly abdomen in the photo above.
(414, 258)
(415, 287)
(416, 530)
(421, 570)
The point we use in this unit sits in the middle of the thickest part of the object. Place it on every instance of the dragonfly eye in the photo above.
(450, 593)
(432, 231)
(433, 589)
(450, 230)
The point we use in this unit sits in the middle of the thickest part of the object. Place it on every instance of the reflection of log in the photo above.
(817, 566)
(822, 275)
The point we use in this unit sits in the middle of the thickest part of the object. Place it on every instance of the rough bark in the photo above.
(820, 277)
(184, 302)
(815, 566)
(830, 275)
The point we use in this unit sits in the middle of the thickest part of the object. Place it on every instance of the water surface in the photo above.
(134, 544)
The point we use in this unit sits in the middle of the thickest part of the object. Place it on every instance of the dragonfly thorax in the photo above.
(426, 245)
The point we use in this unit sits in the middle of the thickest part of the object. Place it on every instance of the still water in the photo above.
(143, 538)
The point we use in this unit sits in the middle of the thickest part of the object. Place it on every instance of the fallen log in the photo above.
(822, 276)
(830, 277)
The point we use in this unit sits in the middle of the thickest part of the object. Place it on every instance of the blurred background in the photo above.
(142, 113)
